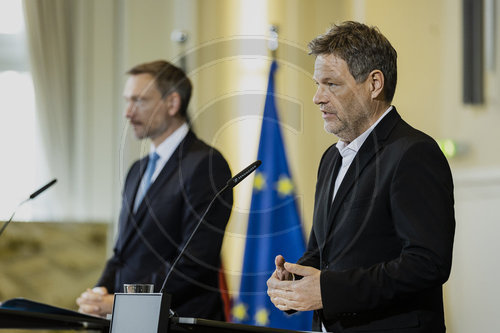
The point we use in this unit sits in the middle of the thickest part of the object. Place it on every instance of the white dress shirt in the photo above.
(349, 151)
(165, 151)
(167, 148)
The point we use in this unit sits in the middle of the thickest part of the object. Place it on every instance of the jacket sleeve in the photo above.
(108, 276)
(200, 263)
(311, 256)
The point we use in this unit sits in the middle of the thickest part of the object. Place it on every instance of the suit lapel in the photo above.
(168, 170)
(134, 220)
(332, 171)
(373, 143)
(130, 192)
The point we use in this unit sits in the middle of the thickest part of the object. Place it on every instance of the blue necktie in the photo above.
(146, 181)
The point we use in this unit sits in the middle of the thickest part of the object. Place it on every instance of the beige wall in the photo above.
(231, 88)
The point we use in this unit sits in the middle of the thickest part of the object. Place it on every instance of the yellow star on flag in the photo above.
(262, 317)
(239, 311)
(259, 182)
(284, 186)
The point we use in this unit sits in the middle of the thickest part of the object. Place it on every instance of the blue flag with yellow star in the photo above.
(273, 228)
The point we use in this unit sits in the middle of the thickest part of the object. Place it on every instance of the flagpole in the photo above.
(274, 225)
(272, 44)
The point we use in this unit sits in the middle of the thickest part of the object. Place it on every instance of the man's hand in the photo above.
(96, 301)
(281, 273)
(301, 295)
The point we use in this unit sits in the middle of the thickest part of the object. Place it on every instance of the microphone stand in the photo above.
(31, 197)
(12, 216)
(191, 236)
(229, 185)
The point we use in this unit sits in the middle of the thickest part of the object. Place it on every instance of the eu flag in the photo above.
(273, 228)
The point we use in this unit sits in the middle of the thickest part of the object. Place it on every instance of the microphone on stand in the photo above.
(31, 197)
(242, 175)
(229, 185)
(42, 189)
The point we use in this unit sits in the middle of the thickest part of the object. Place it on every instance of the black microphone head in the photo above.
(42, 189)
(243, 174)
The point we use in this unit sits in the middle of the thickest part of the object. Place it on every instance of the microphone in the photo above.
(32, 196)
(42, 189)
(229, 185)
(243, 174)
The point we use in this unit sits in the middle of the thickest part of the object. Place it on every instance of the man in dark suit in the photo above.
(381, 244)
(164, 196)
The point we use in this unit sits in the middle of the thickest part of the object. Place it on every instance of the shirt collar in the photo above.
(356, 144)
(167, 147)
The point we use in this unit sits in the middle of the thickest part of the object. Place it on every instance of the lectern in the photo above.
(197, 325)
(140, 312)
(149, 313)
(20, 313)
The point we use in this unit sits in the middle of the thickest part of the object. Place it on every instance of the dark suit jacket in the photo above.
(149, 240)
(384, 246)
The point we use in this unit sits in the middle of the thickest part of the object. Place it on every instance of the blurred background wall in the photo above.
(226, 56)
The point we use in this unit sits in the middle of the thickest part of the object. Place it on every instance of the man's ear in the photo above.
(376, 80)
(173, 103)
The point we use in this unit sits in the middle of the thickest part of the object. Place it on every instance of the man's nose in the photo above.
(319, 96)
(129, 110)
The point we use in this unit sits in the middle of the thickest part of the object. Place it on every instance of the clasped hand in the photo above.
(289, 294)
(96, 301)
